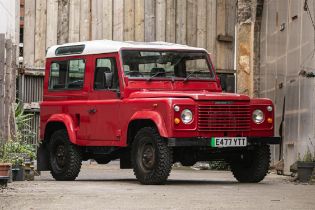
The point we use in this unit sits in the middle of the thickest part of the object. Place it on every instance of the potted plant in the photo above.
(17, 151)
(4, 173)
(305, 167)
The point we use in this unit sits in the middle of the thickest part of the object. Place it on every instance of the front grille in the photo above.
(224, 117)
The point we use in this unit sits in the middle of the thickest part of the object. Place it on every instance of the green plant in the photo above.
(307, 157)
(17, 150)
(23, 128)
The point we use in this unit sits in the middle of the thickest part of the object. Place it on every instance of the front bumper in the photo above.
(206, 142)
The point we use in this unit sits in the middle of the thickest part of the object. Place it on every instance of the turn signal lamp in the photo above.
(176, 121)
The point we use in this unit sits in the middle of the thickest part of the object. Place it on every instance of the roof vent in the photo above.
(68, 50)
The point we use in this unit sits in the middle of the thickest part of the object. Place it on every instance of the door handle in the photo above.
(92, 111)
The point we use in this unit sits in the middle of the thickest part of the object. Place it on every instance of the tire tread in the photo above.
(164, 165)
(257, 171)
(75, 160)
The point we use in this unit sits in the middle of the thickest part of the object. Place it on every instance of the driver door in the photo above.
(104, 101)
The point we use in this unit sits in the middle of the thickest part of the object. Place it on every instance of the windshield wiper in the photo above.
(192, 73)
(154, 75)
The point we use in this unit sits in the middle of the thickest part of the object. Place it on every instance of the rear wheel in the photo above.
(65, 158)
(151, 157)
(252, 166)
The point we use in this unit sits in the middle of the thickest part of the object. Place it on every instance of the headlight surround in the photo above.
(186, 116)
(258, 116)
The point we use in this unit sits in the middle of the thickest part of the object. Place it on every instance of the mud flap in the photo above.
(125, 160)
(42, 158)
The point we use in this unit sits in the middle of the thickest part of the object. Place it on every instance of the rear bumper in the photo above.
(206, 142)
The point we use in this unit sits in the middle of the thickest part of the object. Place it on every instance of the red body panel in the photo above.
(140, 99)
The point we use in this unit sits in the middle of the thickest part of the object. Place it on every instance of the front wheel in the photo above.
(151, 157)
(65, 158)
(252, 166)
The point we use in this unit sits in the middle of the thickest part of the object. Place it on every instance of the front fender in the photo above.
(68, 122)
(155, 117)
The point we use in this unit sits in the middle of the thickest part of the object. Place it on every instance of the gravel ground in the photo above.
(108, 187)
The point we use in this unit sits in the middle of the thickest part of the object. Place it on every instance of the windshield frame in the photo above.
(207, 58)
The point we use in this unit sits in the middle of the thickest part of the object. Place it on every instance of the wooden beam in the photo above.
(107, 19)
(2, 87)
(211, 28)
(181, 22)
(221, 30)
(74, 21)
(170, 31)
(149, 20)
(118, 27)
(191, 22)
(7, 92)
(40, 33)
(63, 22)
(85, 20)
(139, 20)
(201, 23)
(230, 31)
(52, 22)
(29, 34)
(97, 17)
(160, 26)
(13, 68)
(129, 20)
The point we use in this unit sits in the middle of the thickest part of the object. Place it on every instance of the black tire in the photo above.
(151, 157)
(252, 166)
(65, 158)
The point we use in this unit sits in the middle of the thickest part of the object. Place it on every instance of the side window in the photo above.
(67, 74)
(106, 75)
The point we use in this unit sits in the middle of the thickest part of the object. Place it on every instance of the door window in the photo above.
(68, 74)
(106, 75)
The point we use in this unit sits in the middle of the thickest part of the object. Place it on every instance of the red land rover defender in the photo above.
(149, 105)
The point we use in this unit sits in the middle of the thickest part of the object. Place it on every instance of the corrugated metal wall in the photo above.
(287, 44)
(30, 92)
(31, 88)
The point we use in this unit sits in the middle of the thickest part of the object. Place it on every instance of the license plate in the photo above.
(228, 142)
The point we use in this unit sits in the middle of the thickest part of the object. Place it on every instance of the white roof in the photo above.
(109, 46)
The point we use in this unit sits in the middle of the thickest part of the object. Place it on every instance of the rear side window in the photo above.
(68, 74)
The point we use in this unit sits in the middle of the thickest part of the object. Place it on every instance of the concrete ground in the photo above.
(108, 187)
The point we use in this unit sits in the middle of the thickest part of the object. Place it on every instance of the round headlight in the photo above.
(258, 116)
(186, 116)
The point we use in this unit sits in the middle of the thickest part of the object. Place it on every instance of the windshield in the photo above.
(185, 65)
